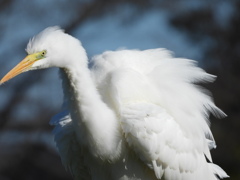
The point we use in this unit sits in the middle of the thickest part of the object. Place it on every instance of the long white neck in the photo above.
(96, 125)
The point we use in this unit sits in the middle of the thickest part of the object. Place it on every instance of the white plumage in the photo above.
(133, 115)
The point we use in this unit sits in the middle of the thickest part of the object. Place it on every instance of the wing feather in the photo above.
(163, 112)
(162, 144)
(68, 147)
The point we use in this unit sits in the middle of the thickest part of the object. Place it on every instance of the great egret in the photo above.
(133, 115)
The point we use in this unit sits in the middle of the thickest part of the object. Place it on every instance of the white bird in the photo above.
(134, 115)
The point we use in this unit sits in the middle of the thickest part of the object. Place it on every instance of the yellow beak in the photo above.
(23, 66)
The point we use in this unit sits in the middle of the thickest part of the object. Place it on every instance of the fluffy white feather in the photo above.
(163, 113)
(134, 115)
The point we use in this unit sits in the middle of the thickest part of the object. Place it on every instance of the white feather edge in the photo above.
(218, 171)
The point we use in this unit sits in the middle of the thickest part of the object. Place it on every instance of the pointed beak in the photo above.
(23, 66)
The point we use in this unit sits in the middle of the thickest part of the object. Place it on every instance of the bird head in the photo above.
(50, 48)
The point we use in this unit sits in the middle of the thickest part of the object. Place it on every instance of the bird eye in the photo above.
(43, 53)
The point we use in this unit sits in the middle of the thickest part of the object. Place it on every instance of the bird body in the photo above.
(133, 115)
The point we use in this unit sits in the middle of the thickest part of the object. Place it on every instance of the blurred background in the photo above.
(207, 31)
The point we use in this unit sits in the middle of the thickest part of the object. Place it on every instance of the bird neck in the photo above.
(83, 92)
(95, 123)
